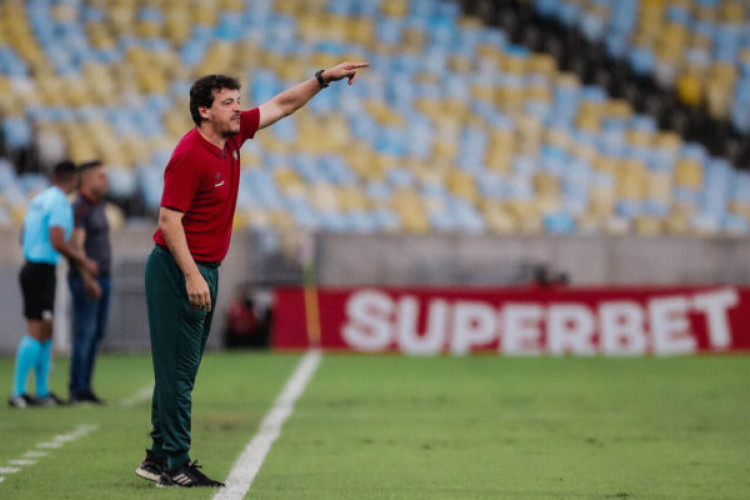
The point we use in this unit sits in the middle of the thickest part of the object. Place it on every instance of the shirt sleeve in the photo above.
(182, 178)
(61, 214)
(249, 122)
(80, 210)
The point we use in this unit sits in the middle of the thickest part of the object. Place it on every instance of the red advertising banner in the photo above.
(525, 321)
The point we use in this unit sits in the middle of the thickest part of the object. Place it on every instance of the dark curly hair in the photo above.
(202, 92)
(64, 171)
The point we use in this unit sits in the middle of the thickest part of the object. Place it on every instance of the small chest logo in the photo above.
(236, 155)
(218, 182)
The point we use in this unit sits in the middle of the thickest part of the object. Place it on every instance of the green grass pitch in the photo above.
(414, 428)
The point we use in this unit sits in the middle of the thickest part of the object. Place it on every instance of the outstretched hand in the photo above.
(344, 70)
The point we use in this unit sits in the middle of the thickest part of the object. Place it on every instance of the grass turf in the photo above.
(396, 427)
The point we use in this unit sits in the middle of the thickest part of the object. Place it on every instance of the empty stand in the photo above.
(453, 129)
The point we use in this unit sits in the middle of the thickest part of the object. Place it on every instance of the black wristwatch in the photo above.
(319, 76)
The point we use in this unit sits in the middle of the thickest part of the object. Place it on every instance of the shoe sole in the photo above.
(160, 485)
(150, 476)
(21, 403)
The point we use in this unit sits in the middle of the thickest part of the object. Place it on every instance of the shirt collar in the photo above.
(88, 198)
(208, 146)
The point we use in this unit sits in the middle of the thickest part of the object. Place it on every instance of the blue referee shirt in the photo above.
(48, 209)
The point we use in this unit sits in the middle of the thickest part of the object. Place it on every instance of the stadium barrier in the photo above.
(614, 321)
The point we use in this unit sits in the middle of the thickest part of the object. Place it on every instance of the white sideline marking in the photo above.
(57, 442)
(247, 466)
(139, 396)
(22, 462)
(52, 444)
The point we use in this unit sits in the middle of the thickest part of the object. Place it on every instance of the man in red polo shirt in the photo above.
(195, 227)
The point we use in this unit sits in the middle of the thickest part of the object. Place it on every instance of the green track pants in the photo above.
(178, 338)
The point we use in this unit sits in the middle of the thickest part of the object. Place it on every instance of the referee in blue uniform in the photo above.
(46, 229)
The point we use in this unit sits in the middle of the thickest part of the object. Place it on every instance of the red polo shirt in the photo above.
(201, 181)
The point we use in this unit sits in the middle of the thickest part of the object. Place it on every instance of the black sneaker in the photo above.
(151, 468)
(86, 397)
(22, 401)
(187, 476)
(50, 400)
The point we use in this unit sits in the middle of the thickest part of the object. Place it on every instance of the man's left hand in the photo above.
(344, 70)
(93, 289)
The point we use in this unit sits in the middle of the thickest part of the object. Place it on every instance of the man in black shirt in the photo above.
(90, 294)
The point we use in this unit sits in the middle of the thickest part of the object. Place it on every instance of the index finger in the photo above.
(358, 65)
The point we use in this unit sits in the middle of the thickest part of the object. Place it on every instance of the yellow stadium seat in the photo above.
(561, 138)
(542, 64)
(689, 174)
(257, 218)
(588, 223)
(616, 226)
(384, 115)
(527, 216)
(509, 97)
(362, 31)
(408, 205)
(499, 158)
(205, 13)
(462, 184)
(287, 179)
(677, 223)
(647, 225)
(719, 99)
(602, 201)
(640, 138)
(461, 64)
(589, 122)
(690, 89)
(631, 176)
(281, 220)
(659, 187)
(668, 140)
(79, 149)
(483, 92)
(177, 27)
(395, 8)
(17, 214)
(546, 185)
(539, 91)
(324, 197)
(733, 12)
(498, 219)
(231, 5)
(148, 29)
(354, 199)
(619, 108)
(723, 71)
(437, 173)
